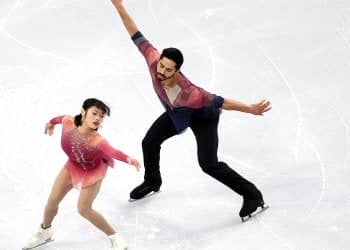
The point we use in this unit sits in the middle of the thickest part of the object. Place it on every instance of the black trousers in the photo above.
(206, 134)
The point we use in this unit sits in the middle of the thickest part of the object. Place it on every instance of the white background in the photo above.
(55, 54)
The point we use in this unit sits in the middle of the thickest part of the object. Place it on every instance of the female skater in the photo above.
(89, 156)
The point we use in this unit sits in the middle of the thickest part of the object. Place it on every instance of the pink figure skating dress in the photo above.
(89, 155)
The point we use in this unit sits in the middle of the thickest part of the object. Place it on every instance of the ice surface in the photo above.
(54, 54)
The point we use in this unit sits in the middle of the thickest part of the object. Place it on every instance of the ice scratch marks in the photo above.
(293, 95)
(298, 135)
(209, 48)
(13, 8)
(36, 50)
(343, 31)
(347, 134)
(323, 177)
(345, 39)
(344, 28)
(299, 131)
(283, 242)
(202, 41)
(261, 171)
(151, 9)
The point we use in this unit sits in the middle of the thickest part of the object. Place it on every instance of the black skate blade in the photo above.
(146, 196)
(44, 243)
(258, 211)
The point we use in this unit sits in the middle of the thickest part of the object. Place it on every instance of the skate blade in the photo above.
(258, 211)
(47, 241)
(146, 196)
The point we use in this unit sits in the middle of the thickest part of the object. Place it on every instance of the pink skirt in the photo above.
(82, 178)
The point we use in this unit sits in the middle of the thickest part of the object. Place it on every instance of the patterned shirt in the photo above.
(191, 99)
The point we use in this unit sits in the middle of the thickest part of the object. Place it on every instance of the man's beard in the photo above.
(162, 77)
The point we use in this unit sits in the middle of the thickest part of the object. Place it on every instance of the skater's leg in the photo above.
(86, 198)
(60, 188)
(160, 130)
(206, 135)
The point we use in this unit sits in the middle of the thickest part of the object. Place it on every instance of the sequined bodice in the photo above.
(79, 149)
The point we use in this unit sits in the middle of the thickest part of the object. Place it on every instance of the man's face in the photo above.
(165, 69)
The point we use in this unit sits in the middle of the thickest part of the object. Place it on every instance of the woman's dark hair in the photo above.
(173, 54)
(88, 103)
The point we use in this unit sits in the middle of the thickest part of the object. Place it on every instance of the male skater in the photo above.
(187, 105)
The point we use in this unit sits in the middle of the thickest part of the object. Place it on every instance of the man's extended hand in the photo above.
(259, 108)
(116, 2)
(125, 17)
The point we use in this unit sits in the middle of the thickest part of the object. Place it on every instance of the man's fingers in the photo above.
(266, 104)
(267, 109)
(260, 103)
(261, 107)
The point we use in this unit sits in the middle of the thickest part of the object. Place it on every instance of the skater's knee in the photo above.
(84, 210)
(207, 166)
(146, 142)
(150, 144)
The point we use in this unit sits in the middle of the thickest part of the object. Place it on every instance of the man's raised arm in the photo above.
(124, 15)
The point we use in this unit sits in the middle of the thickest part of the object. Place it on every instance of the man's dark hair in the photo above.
(173, 54)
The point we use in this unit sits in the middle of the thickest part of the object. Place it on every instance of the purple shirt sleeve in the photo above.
(219, 101)
(150, 53)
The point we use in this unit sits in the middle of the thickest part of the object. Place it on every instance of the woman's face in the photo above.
(93, 117)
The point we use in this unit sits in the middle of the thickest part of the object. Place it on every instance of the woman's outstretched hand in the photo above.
(49, 128)
(135, 163)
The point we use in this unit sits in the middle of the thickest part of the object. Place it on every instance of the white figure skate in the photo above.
(41, 237)
(117, 242)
